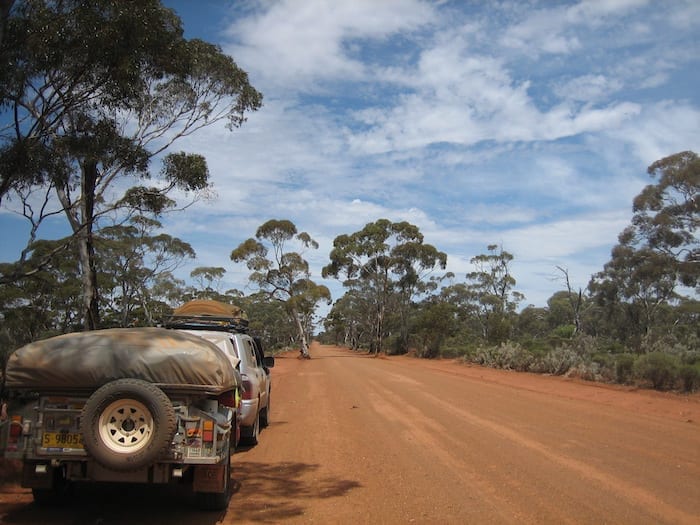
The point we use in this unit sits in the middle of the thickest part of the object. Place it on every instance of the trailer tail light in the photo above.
(15, 432)
(15, 428)
(208, 431)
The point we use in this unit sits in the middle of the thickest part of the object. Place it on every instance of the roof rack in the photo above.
(207, 322)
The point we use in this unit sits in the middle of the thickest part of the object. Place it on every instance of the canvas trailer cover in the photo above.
(172, 360)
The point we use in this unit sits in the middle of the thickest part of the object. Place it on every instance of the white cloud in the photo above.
(295, 43)
(663, 128)
(588, 88)
(551, 30)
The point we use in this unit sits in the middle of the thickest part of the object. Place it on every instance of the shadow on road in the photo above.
(262, 493)
(114, 504)
(272, 492)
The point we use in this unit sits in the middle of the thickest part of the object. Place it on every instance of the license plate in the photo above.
(62, 440)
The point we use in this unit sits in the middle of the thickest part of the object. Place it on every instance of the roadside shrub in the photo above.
(508, 356)
(487, 356)
(660, 369)
(585, 346)
(452, 350)
(691, 357)
(516, 357)
(532, 344)
(670, 344)
(610, 346)
(565, 331)
(690, 377)
(591, 371)
(605, 364)
(557, 361)
(624, 364)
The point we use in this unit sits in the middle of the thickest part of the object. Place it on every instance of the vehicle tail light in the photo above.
(247, 387)
(228, 399)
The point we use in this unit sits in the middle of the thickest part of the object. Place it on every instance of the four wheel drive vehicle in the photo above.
(226, 326)
(141, 405)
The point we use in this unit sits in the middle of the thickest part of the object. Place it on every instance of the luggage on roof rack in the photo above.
(208, 314)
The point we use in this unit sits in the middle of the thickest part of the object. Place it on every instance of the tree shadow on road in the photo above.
(262, 493)
(270, 493)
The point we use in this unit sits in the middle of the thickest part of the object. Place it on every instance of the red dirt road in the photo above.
(356, 439)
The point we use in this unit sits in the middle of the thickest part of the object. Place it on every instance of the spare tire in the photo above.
(127, 424)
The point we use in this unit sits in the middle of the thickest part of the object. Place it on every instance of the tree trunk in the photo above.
(91, 319)
(380, 330)
(91, 312)
(302, 336)
(81, 219)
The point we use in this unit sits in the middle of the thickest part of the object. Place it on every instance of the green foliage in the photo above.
(658, 368)
(624, 368)
(690, 377)
(284, 275)
(564, 331)
(490, 292)
(432, 323)
(656, 254)
(558, 361)
(386, 263)
(119, 84)
(508, 356)
(208, 279)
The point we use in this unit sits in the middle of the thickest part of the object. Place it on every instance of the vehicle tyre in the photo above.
(235, 433)
(217, 500)
(265, 415)
(250, 434)
(127, 424)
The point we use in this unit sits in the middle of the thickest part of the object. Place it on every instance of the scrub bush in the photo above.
(624, 364)
(558, 361)
(508, 356)
(659, 368)
(690, 377)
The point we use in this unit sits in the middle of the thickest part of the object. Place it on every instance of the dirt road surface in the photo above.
(355, 439)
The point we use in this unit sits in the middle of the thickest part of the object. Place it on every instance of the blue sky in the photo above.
(524, 124)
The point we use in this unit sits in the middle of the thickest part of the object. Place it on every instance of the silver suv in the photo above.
(255, 375)
(226, 328)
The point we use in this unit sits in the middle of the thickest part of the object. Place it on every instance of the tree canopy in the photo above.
(284, 275)
(90, 93)
(384, 261)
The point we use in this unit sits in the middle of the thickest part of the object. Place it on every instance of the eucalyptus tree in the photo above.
(433, 322)
(90, 93)
(44, 303)
(350, 320)
(284, 275)
(268, 318)
(657, 258)
(667, 214)
(208, 278)
(131, 259)
(385, 258)
(166, 293)
(491, 289)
